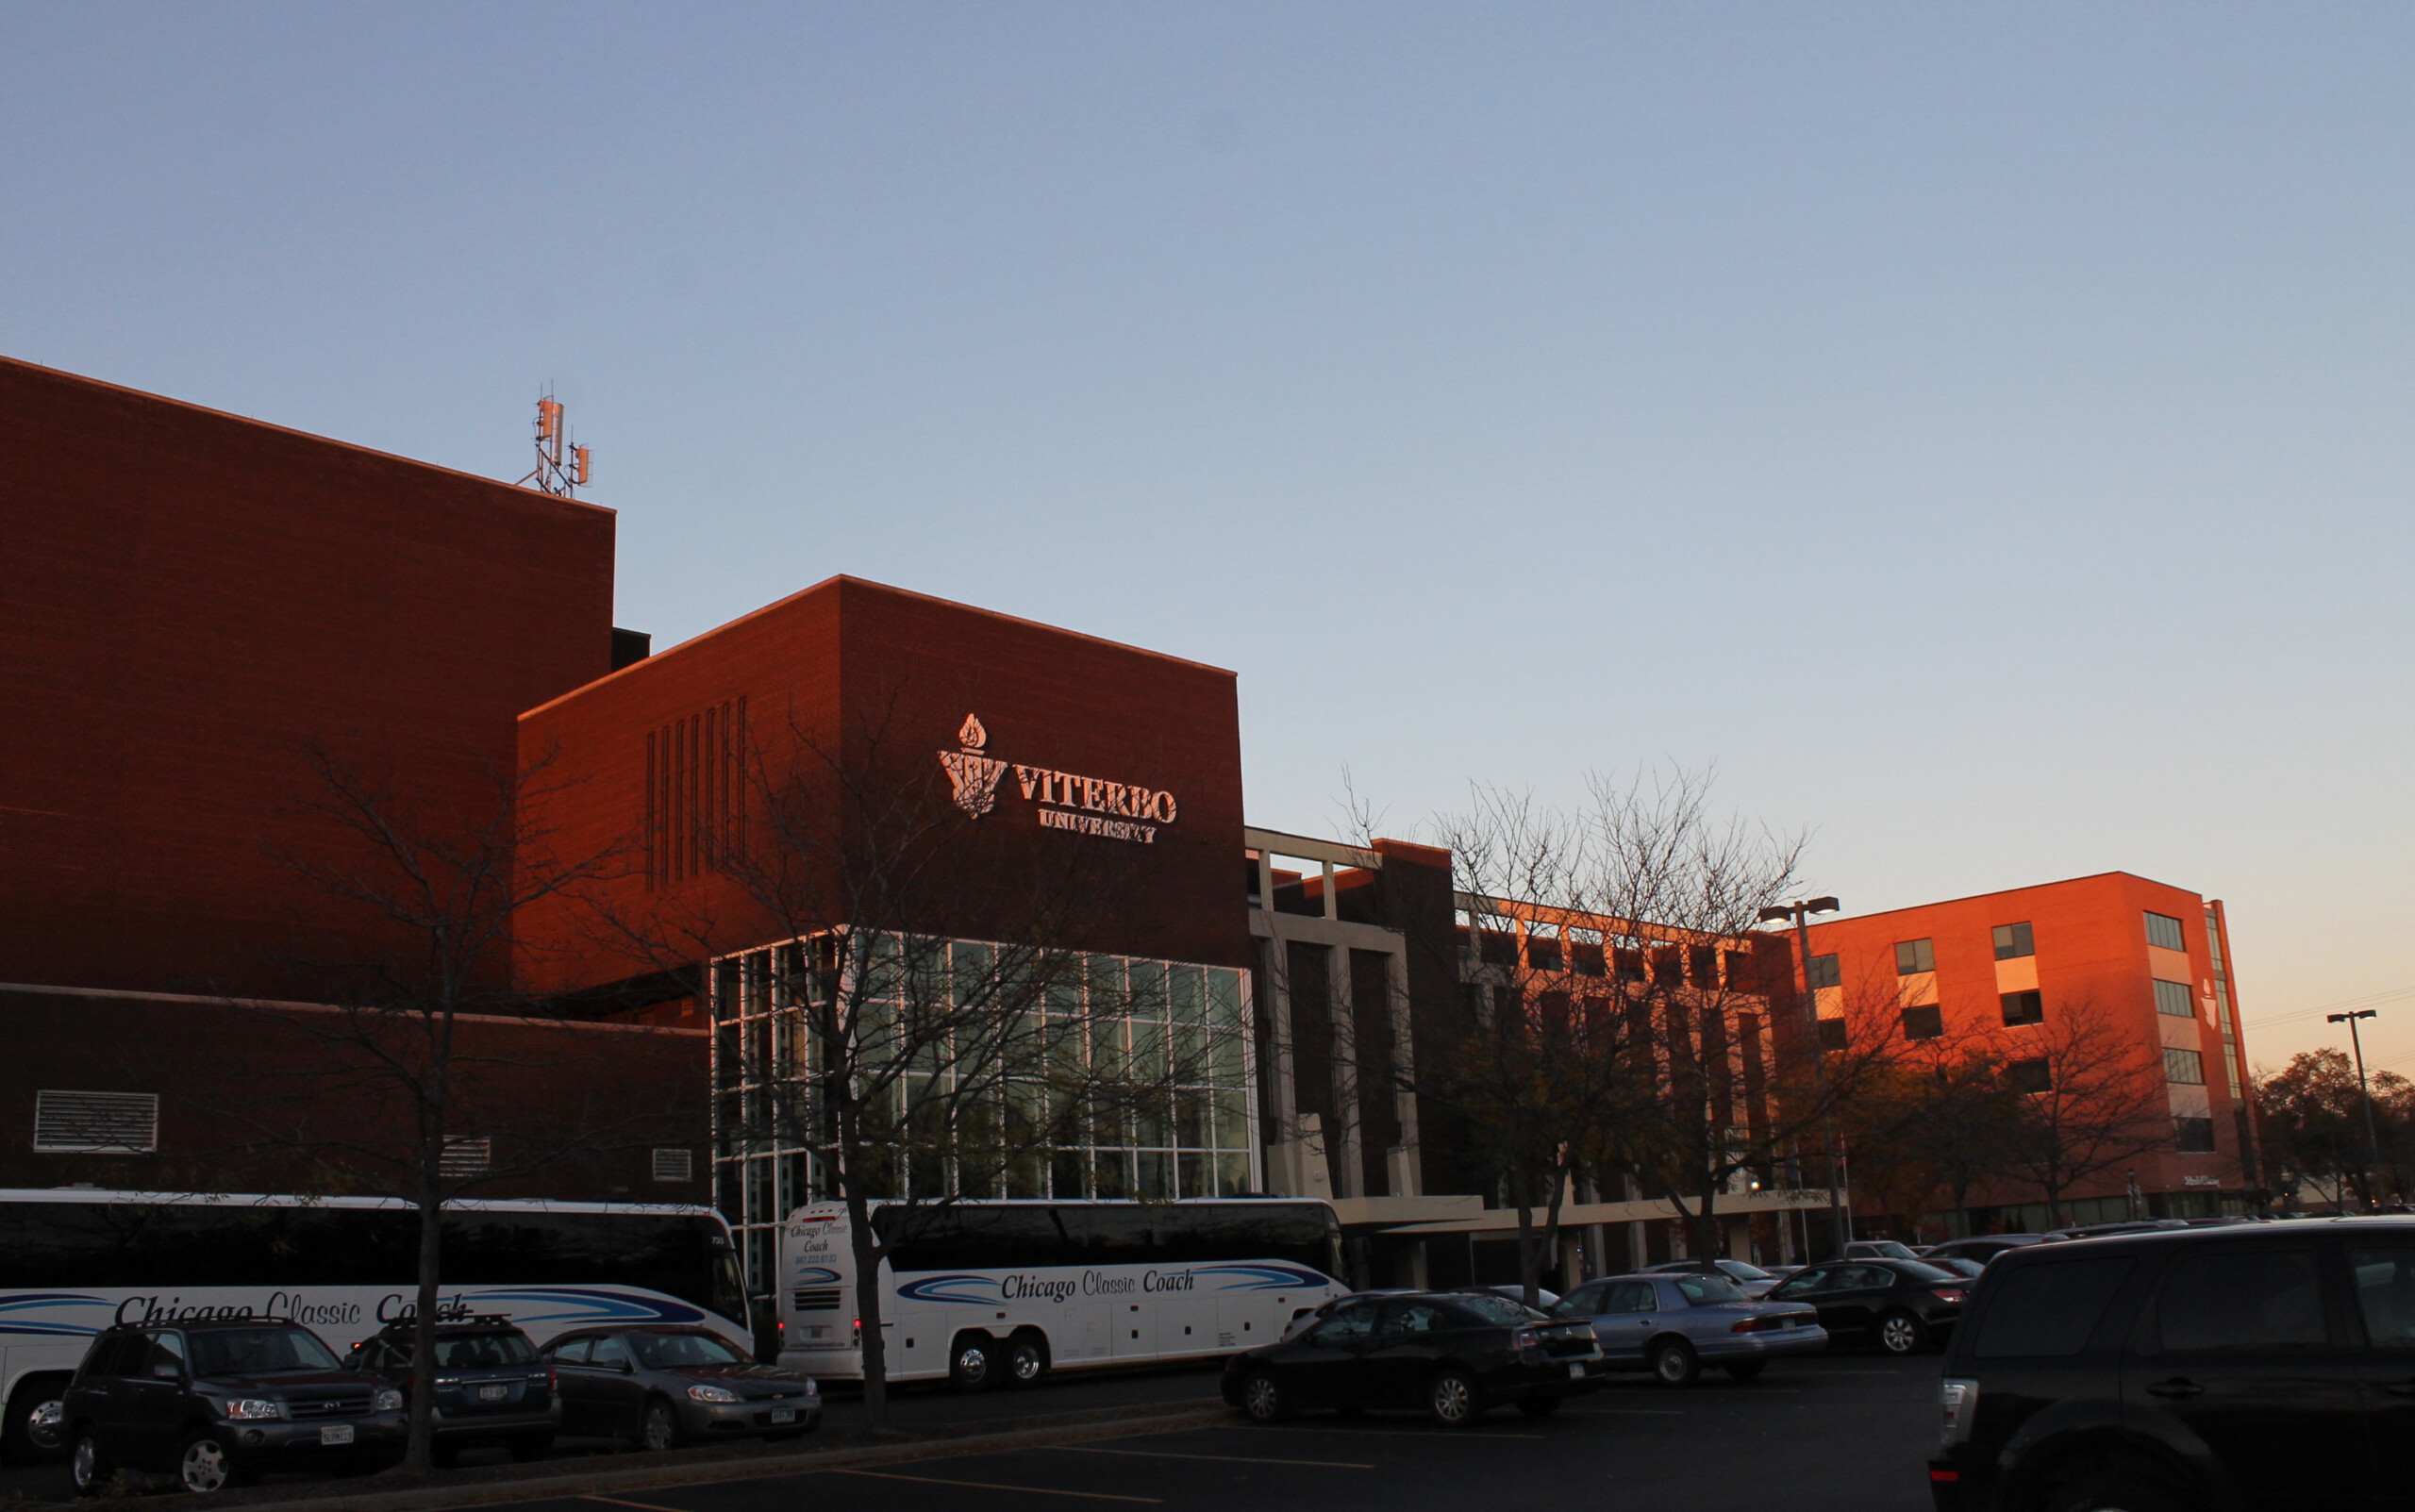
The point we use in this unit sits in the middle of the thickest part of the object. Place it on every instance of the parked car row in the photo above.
(217, 1402)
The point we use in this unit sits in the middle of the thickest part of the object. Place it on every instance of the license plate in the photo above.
(1576, 1368)
(493, 1393)
(335, 1433)
(784, 1414)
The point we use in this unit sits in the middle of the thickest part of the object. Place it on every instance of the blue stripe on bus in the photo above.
(933, 1288)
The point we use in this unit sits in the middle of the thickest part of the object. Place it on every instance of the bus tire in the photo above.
(17, 1446)
(973, 1362)
(1027, 1357)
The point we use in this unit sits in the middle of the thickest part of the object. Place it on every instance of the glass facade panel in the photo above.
(1176, 1033)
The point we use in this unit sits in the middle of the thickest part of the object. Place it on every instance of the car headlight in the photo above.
(388, 1401)
(711, 1393)
(253, 1409)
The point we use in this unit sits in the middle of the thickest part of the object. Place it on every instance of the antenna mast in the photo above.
(561, 469)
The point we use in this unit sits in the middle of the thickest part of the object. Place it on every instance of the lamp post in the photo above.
(2372, 1139)
(1801, 914)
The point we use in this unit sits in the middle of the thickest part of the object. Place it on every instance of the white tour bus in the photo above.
(74, 1261)
(986, 1292)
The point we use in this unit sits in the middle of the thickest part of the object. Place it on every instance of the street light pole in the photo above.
(1801, 914)
(2365, 1091)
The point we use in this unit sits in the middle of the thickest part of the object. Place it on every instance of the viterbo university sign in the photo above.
(1065, 800)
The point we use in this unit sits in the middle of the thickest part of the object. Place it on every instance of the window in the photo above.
(2386, 1293)
(2029, 1077)
(675, 1165)
(1542, 955)
(2196, 1136)
(2164, 931)
(2244, 1299)
(2175, 999)
(1707, 1291)
(2024, 1008)
(121, 1121)
(1585, 1301)
(1925, 1023)
(2047, 1311)
(2186, 1068)
(1825, 972)
(571, 1351)
(465, 1157)
(611, 1353)
(1915, 956)
(2013, 942)
(1632, 1296)
(1416, 1317)
(1832, 1034)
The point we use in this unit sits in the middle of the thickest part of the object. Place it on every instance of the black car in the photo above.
(492, 1387)
(1453, 1353)
(1980, 1247)
(2263, 1366)
(666, 1387)
(1900, 1306)
(219, 1401)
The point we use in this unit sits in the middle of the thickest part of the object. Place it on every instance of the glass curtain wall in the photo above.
(1115, 1011)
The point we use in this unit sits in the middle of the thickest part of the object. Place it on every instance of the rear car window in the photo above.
(2048, 1311)
(1494, 1309)
(1923, 1270)
(1704, 1291)
(470, 1352)
(2386, 1291)
(2244, 1299)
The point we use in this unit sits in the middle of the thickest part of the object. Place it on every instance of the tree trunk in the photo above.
(418, 1449)
(866, 1248)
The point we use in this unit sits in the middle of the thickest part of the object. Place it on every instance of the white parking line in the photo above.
(1456, 1436)
(1234, 1459)
(993, 1486)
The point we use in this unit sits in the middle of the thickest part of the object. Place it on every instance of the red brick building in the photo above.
(194, 604)
(2148, 961)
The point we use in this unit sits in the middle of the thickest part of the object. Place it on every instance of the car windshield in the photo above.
(671, 1352)
(1923, 1270)
(1705, 1291)
(1739, 1271)
(1495, 1308)
(470, 1352)
(258, 1351)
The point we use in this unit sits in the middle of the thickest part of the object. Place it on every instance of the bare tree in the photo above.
(1617, 1006)
(411, 1074)
(2089, 1100)
(930, 1036)
(1939, 1122)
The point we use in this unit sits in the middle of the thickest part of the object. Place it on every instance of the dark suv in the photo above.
(219, 1401)
(2241, 1367)
(491, 1387)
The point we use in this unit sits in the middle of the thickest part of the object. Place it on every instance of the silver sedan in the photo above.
(1674, 1326)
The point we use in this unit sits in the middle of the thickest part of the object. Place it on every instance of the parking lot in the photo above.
(1845, 1432)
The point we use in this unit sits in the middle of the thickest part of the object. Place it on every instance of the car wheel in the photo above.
(2116, 1488)
(1454, 1399)
(204, 1465)
(972, 1364)
(1264, 1400)
(659, 1430)
(1746, 1369)
(1026, 1360)
(1900, 1333)
(531, 1446)
(87, 1464)
(1674, 1362)
(1541, 1406)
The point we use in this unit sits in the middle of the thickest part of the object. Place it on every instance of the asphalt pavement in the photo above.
(1849, 1433)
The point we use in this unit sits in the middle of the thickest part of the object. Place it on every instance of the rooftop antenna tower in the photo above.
(561, 469)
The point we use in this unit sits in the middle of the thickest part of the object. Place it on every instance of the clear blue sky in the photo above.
(1983, 430)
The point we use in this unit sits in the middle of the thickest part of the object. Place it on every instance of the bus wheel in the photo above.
(1026, 1360)
(971, 1362)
